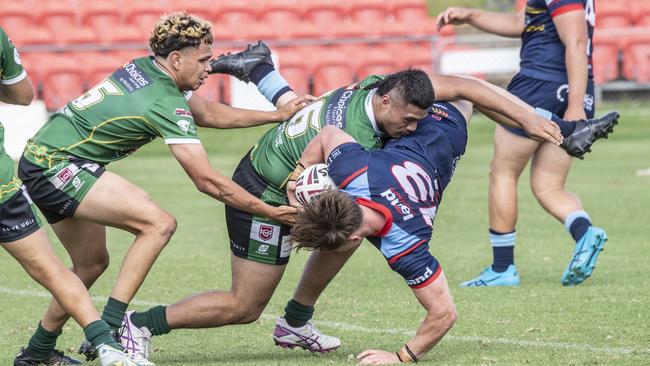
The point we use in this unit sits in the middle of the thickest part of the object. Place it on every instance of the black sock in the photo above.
(154, 319)
(566, 127)
(297, 314)
(260, 71)
(579, 227)
(42, 342)
(503, 250)
(114, 313)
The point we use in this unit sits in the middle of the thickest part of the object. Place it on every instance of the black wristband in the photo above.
(398, 357)
(408, 350)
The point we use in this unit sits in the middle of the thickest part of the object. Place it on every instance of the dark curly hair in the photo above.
(176, 31)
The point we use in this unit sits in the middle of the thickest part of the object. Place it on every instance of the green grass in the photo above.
(540, 323)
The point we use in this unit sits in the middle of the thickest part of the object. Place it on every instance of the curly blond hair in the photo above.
(176, 31)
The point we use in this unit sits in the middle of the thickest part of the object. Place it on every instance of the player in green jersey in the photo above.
(372, 110)
(22, 236)
(63, 164)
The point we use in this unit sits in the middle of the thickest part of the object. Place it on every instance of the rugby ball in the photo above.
(313, 181)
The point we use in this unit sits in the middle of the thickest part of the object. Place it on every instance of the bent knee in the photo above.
(247, 314)
(160, 224)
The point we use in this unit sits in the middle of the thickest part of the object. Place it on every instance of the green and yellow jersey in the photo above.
(276, 153)
(134, 105)
(11, 72)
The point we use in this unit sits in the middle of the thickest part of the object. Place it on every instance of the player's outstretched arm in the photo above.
(218, 115)
(441, 315)
(486, 96)
(503, 24)
(572, 29)
(194, 159)
(20, 93)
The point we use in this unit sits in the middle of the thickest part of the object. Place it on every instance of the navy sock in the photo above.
(503, 249)
(260, 71)
(269, 82)
(566, 127)
(577, 224)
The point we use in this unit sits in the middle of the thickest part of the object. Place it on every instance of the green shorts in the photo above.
(253, 237)
(18, 217)
(58, 191)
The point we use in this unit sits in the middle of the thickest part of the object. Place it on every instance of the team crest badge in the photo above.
(266, 232)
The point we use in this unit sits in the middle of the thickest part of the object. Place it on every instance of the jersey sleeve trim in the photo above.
(15, 79)
(352, 176)
(396, 257)
(388, 216)
(177, 141)
(434, 277)
(566, 9)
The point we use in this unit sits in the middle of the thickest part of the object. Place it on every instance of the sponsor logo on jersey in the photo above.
(420, 279)
(77, 183)
(263, 249)
(439, 111)
(183, 112)
(184, 125)
(285, 248)
(399, 203)
(337, 106)
(131, 77)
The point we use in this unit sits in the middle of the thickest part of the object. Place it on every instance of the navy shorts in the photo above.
(549, 95)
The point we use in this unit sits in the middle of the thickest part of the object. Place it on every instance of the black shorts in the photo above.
(58, 191)
(253, 237)
(18, 217)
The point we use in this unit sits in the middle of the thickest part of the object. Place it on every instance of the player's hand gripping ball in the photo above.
(313, 181)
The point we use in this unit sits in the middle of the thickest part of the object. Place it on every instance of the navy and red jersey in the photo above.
(404, 181)
(542, 51)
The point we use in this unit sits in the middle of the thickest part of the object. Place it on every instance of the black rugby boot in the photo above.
(55, 358)
(241, 64)
(587, 132)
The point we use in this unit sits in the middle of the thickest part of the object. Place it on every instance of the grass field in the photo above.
(603, 321)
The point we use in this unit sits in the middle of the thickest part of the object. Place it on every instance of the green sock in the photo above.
(98, 333)
(297, 314)
(114, 313)
(154, 319)
(42, 342)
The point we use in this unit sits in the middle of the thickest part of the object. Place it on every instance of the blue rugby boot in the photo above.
(584, 256)
(510, 277)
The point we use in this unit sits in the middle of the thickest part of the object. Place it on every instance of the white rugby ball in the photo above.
(313, 181)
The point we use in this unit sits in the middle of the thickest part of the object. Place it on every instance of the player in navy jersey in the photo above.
(391, 197)
(556, 74)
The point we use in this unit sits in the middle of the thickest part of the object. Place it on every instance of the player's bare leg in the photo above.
(114, 201)
(295, 329)
(511, 154)
(253, 284)
(550, 167)
(320, 269)
(36, 256)
(85, 242)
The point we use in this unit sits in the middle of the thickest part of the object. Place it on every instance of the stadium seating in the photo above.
(62, 81)
(293, 67)
(637, 63)
(605, 61)
(331, 70)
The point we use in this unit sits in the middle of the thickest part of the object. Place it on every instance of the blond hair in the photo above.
(176, 31)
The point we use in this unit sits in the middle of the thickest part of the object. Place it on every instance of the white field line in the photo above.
(404, 332)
